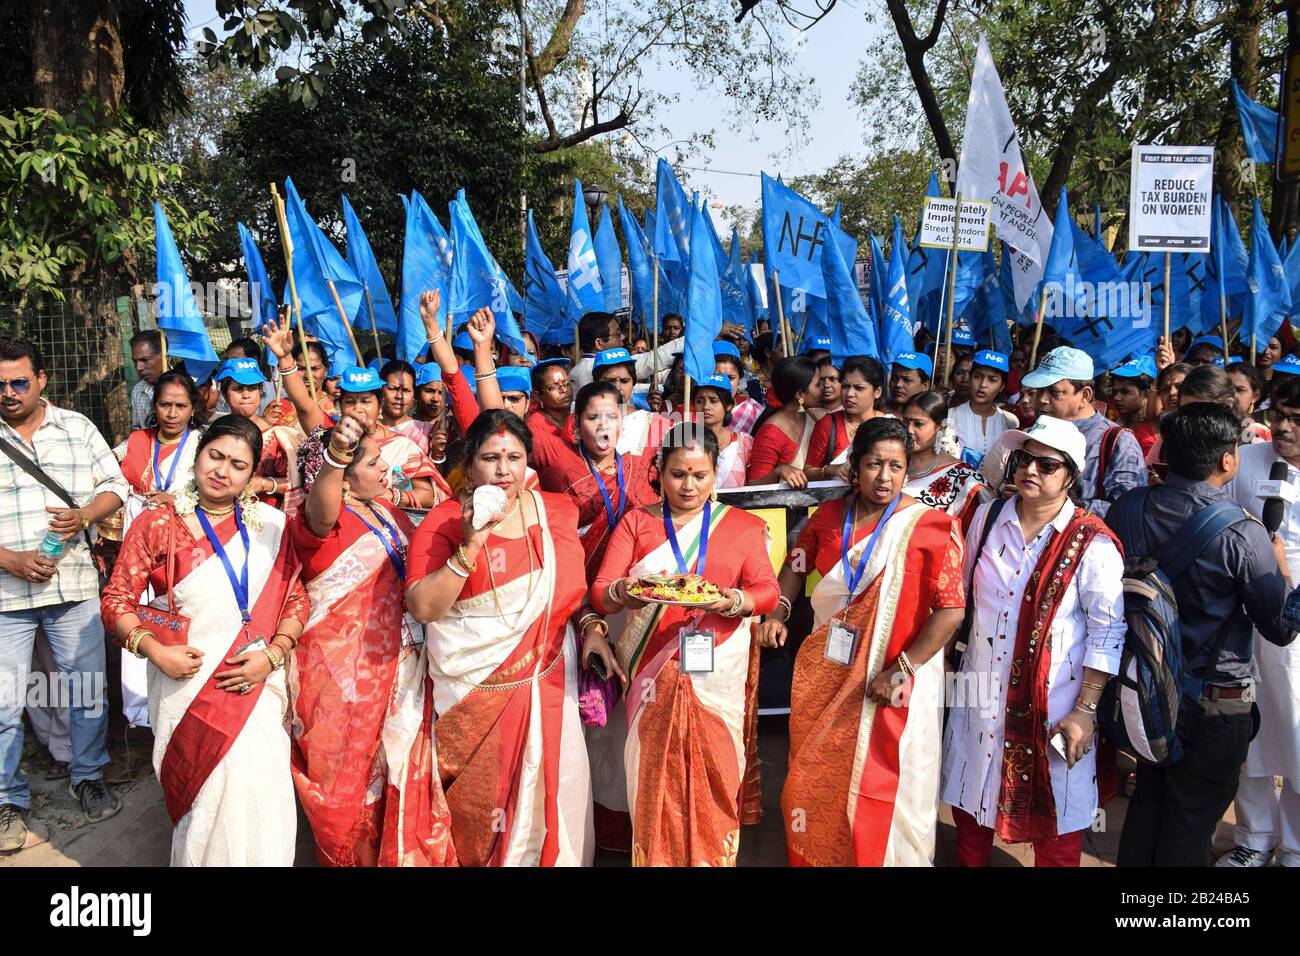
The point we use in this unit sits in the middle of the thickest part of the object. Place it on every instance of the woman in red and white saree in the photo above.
(936, 478)
(363, 759)
(713, 402)
(414, 481)
(217, 698)
(866, 702)
(157, 461)
(497, 582)
(687, 670)
(605, 486)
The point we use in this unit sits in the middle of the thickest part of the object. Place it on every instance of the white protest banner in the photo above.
(993, 168)
(936, 224)
(1170, 190)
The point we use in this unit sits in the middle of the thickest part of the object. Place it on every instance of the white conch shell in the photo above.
(490, 504)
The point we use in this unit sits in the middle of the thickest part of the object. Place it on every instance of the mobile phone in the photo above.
(596, 664)
(1058, 744)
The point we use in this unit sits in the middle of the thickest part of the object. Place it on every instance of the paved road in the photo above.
(140, 835)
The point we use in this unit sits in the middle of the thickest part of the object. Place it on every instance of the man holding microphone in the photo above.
(1268, 821)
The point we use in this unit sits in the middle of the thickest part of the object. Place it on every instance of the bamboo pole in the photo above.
(1038, 330)
(162, 336)
(952, 291)
(1169, 265)
(346, 324)
(374, 326)
(780, 312)
(654, 329)
(287, 243)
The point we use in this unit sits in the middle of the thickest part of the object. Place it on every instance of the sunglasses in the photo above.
(21, 386)
(1046, 466)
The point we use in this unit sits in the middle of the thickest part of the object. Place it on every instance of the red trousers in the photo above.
(975, 843)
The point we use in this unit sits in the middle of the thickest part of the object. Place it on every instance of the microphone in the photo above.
(1274, 506)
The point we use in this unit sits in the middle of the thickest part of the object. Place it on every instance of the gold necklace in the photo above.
(216, 514)
(532, 585)
(170, 441)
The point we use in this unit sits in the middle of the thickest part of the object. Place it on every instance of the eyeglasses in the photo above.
(1046, 466)
(1276, 414)
(21, 386)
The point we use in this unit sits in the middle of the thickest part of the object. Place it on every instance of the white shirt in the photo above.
(1275, 751)
(1087, 631)
(978, 434)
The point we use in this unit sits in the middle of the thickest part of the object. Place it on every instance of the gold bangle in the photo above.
(465, 562)
(274, 660)
(480, 376)
(138, 634)
(344, 456)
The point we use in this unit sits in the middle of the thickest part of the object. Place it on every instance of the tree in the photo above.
(585, 66)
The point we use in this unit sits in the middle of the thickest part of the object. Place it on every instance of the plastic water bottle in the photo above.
(53, 546)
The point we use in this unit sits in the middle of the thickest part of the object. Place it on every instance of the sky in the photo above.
(830, 50)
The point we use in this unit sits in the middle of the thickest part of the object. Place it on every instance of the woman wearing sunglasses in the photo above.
(1046, 630)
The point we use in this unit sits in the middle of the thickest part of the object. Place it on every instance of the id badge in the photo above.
(696, 651)
(841, 642)
(256, 644)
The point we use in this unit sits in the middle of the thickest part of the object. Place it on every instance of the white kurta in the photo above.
(1275, 751)
(1087, 631)
(978, 434)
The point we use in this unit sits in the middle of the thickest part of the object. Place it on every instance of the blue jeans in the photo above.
(76, 639)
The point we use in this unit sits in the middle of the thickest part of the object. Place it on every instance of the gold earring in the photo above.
(347, 494)
(247, 497)
(800, 399)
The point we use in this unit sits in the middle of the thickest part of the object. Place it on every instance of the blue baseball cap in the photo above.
(1214, 340)
(725, 347)
(553, 361)
(429, 372)
(360, 380)
(376, 363)
(962, 336)
(1290, 365)
(1233, 360)
(1060, 364)
(917, 360)
(994, 360)
(821, 343)
(515, 378)
(1133, 368)
(245, 371)
(462, 341)
(612, 357)
(720, 382)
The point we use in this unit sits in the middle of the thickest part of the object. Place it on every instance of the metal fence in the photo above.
(85, 340)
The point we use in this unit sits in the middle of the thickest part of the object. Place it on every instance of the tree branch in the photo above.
(914, 51)
(557, 47)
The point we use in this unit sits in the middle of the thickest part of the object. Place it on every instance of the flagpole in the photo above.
(162, 337)
(780, 312)
(346, 324)
(654, 329)
(1038, 330)
(943, 301)
(952, 291)
(374, 328)
(1169, 265)
(287, 243)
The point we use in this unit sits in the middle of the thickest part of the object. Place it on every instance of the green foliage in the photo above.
(78, 193)
(872, 191)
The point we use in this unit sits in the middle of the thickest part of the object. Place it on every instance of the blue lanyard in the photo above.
(851, 576)
(158, 483)
(238, 584)
(610, 516)
(394, 548)
(672, 539)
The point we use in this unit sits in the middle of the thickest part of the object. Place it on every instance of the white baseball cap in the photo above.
(1055, 433)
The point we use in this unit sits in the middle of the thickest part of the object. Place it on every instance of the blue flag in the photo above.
(794, 237)
(426, 256)
(850, 329)
(585, 293)
(362, 260)
(317, 265)
(1259, 126)
(543, 295)
(876, 279)
(703, 306)
(1270, 293)
(988, 316)
(896, 317)
(1007, 286)
(670, 236)
(178, 312)
(926, 271)
(609, 260)
(735, 305)
(478, 282)
(259, 283)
